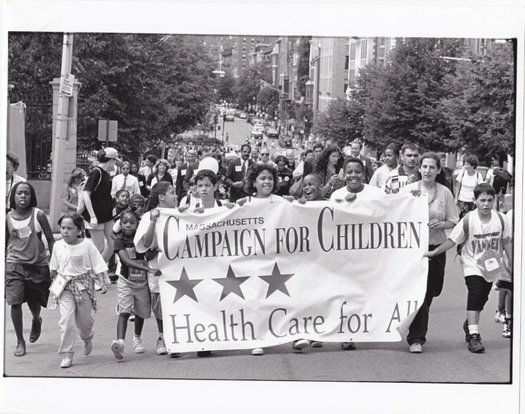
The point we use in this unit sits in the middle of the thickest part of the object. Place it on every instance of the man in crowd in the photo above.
(355, 151)
(237, 172)
(185, 172)
(148, 169)
(125, 181)
(407, 172)
(390, 163)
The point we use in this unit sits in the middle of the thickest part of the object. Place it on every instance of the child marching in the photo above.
(74, 258)
(27, 277)
(132, 286)
(163, 196)
(485, 236)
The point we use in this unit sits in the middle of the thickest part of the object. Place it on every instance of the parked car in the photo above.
(272, 133)
(257, 131)
(242, 115)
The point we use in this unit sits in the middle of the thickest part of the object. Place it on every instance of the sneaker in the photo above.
(347, 346)
(465, 329)
(258, 351)
(474, 344)
(300, 344)
(499, 317)
(415, 348)
(507, 329)
(88, 346)
(316, 344)
(161, 347)
(118, 349)
(66, 362)
(137, 345)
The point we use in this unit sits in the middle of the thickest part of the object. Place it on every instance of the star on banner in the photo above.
(231, 283)
(276, 281)
(184, 286)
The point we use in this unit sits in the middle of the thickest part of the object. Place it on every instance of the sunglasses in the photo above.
(265, 153)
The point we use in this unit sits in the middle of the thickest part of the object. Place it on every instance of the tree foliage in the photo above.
(341, 122)
(401, 99)
(481, 107)
(154, 86)
(248, 84)
(303, 64)
(424, 97)
(269, 99)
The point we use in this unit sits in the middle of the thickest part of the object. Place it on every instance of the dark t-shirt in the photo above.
(100, 187)
(121, 243)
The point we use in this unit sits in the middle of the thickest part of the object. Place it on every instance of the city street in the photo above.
(445, 358)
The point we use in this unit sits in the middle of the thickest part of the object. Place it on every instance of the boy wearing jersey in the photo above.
(485, 232)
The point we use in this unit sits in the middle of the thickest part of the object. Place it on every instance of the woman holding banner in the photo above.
(261, 182)
(442, 215)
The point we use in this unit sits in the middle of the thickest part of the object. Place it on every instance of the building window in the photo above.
(346, 61)
(346, 87)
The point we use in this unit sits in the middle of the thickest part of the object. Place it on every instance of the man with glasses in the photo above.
(265, 157)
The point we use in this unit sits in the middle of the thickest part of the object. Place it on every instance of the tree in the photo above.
(225, 87)
(269, 99)
(303, 64)
(402, 100)
(481, 107)
(154, 86)
(249, 83)
(341, 122)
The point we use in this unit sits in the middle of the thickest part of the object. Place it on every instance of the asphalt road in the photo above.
(445, 358)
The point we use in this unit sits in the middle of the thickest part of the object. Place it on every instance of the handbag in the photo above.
(58, 285)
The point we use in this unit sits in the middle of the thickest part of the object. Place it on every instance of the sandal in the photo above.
(36, 329)
(20, 349)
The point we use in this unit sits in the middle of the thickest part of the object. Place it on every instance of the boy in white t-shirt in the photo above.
(485, 235)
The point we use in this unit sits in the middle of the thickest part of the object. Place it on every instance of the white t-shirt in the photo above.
(380, 176)
(341, 193)
(481, 238)
(76, 259)
(153, 281)
(468, 183)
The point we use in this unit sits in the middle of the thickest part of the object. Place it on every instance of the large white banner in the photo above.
(270, 272)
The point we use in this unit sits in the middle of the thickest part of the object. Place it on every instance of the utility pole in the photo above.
(61, 133)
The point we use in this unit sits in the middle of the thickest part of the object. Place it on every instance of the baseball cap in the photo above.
(112, 153)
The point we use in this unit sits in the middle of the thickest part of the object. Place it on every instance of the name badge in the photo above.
(183, 172)
(74, 190)
(238, 168)
(141, 184)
